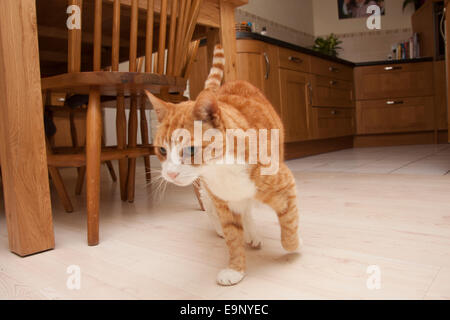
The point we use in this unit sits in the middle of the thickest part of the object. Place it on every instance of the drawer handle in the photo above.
(392, 102)
(333, 82)
(295, 59)
(390, 68)
(266, 57)
(333, 69)
(334, 112)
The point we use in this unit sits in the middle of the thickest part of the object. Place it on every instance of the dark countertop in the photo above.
(376, 63)
(287, 45)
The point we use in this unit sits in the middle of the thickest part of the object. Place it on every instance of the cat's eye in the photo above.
(189, 151)
(163, 151)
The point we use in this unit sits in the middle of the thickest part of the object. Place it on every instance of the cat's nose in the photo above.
(172, 175)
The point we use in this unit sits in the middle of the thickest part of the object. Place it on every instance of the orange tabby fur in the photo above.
(236, 104)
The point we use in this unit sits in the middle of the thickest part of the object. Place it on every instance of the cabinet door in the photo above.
(399, 115)
(294, 104)
(257, 64)
(440, 95)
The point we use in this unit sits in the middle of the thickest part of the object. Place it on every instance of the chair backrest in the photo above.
(175, 49)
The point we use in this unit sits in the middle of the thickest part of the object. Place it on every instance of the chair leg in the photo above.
(80, 180)
(93, 158)
(145, 140)
(60, 189)
(196, 185)
(121, 127)
(132, 142)
(74, 136)
(112, 172)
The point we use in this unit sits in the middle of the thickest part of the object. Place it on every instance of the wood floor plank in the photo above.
(161, 249)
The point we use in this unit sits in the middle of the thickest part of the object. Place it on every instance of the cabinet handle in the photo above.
(333, 82)
(310, 88)
(295, 59)
(392, 102)
(333, 69)
(334, 112)
(266, 57)
(390, 68)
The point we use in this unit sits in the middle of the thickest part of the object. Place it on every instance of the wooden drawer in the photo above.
(331, 92)
(333, 122)
(331, 69)
(293, 60)
(395, 115)
(394, 81)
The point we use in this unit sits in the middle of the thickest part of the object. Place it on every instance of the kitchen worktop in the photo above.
(287, 45)
(257, 36)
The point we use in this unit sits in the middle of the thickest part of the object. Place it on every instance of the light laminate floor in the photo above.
(382, 207)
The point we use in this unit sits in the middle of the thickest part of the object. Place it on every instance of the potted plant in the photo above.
(328, 45)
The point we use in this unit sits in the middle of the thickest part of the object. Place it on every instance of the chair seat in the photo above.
(113, 83)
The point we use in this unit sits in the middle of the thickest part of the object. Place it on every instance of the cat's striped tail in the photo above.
(218, 66)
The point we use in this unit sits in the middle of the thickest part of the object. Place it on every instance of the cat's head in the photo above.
(175, 143)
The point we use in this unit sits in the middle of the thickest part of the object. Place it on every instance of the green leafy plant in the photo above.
(328, 45)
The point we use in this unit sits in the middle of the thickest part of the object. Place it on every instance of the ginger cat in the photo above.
(229, 189)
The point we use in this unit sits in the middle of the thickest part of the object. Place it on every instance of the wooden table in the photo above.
(22, 140)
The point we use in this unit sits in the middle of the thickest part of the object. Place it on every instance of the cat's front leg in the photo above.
(234, 237)
(211, 211)
(250, 231)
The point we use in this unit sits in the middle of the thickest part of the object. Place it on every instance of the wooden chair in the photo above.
(67, 108)
(99, 83)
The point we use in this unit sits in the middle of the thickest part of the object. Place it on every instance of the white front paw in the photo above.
(229, 277)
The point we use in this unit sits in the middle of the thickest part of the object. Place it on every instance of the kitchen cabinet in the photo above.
(440, 95)
(331, 92)
(331, 69)
(394, 80)
(395, 98)
(297, 84)
(395, 115)
(294, 104)
(257, 63)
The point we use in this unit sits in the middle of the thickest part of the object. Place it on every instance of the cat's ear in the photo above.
(207, 109)
(161, 108)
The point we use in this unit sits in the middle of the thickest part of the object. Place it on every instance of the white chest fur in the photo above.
(229, 182)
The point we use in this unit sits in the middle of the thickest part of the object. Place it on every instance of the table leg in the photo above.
(228, 38)
(93, 161)
(22, 138)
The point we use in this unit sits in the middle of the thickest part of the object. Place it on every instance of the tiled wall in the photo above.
(356, 47)
(276, 30)
(371, 45)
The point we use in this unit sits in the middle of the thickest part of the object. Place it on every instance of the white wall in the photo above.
(326, 19)
(295, 14)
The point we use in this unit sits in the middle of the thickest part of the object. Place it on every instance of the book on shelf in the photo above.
(409, 49)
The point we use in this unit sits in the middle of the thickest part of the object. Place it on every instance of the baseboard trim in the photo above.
(394, 139)
(301, 149)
